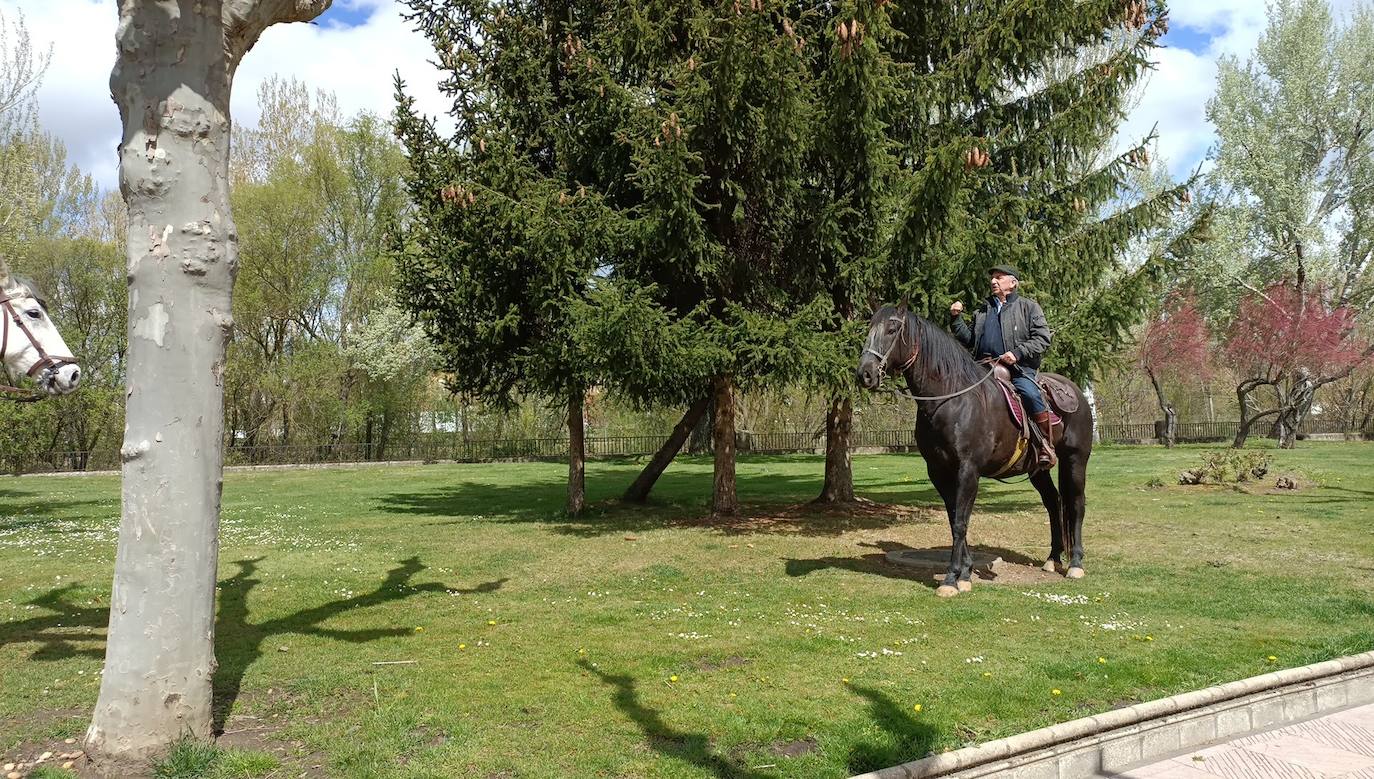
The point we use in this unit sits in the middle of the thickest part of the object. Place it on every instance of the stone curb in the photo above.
(1114, 740)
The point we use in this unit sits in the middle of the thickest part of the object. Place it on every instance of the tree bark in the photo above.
(1167, 408)
(839, 471)
(577, 452)
(1247, 420)
(700, 441)
(639, 491)
(171, 81)
(724, 500)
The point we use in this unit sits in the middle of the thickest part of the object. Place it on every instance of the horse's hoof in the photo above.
(1075, 573)
(1050, 566)
(946, 591)
(965, 586)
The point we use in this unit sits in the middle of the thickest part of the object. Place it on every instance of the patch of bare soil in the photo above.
(1018, 574)
(28, 758)
(817, 518)
(734, 661)
(797, 748)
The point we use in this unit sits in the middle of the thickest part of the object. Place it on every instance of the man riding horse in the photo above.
(1011, 329)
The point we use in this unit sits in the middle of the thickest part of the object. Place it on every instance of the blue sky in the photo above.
(354, 48)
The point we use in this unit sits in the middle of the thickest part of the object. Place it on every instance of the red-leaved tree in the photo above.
(1174, 347)
(1292, 341)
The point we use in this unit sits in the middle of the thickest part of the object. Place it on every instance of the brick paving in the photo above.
(1335, 746)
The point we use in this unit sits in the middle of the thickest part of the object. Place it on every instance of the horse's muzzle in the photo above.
(62, 380)
(868, 374)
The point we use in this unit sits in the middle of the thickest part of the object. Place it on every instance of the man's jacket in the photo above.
(1025, 333)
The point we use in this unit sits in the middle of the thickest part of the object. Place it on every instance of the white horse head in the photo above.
(29, 341)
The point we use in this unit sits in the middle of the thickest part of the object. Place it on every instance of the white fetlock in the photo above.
(946, 591)
(965, 586)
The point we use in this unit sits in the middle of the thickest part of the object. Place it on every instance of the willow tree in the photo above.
(1293, 164)
(172, 77)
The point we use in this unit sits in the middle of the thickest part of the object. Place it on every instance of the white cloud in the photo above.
(1175, 99)
(356, 63)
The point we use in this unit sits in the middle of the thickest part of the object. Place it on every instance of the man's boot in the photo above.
(1045, 459)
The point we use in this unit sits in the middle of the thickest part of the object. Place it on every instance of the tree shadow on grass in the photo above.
(24, 509)
(775, 503)
(239, 643)
(912, 739)
(59, 632)
(877, 564)
(693, 748)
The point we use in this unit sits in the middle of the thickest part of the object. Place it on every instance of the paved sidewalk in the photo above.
(1336, 746)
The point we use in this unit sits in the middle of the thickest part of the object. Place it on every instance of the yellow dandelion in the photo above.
(672, 678)
(462, 646)
(732, 695)
(916, 708)
(1102, 661)
(491, 622)
(582, 651)
(1273, 659)
(1149, 638)
(1056, 691)
(987, 674)
(419, 630)
(845, 680)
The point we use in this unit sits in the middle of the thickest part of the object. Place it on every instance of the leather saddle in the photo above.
(1057, 391)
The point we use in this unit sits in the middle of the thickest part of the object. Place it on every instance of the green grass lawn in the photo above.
(652, 643)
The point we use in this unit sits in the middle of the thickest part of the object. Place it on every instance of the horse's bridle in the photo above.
(882, 358)
(46, 362)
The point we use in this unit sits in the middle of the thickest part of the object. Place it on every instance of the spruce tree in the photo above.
(504, 242)
(1012, 106)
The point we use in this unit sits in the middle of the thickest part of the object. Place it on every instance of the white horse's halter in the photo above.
(46, 363)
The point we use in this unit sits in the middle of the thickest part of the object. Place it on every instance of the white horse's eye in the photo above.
(34, 314)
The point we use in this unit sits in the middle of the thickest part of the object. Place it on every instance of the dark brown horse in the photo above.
(965, 432)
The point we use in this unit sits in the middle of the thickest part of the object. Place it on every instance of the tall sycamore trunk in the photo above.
(639, 490)
(171, 81)
(839, 470)
(577, 452)
(724, 500)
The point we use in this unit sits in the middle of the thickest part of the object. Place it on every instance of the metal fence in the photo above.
(451, 447)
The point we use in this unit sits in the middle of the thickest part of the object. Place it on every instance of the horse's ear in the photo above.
(4, 272)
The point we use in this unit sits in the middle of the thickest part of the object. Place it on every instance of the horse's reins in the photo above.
(882, 370)
(46, 362)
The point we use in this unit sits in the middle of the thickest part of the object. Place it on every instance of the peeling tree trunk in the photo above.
(171, 81)
(1091, 397)
(724, 500)
(639, 491)
(839, 471)
(577, 452)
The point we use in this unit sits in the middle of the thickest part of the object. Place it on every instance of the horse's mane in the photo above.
(942, 357)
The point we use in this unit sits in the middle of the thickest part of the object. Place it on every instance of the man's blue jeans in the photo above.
(1030, 393)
